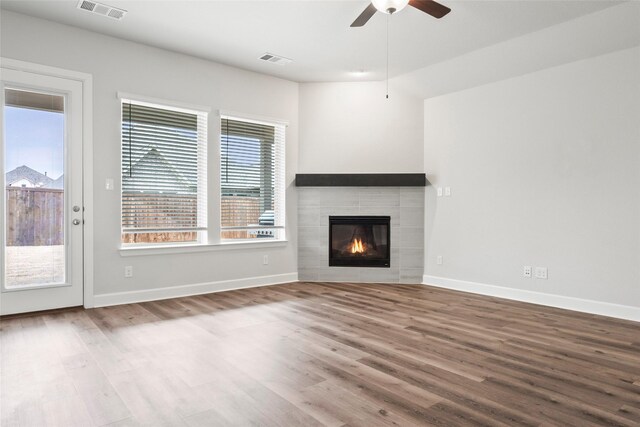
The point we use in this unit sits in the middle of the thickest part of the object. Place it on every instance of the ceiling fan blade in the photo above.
(434, 9)
(365, 16)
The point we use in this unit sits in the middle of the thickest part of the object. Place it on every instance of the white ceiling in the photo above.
(596, 34)
(316, 34)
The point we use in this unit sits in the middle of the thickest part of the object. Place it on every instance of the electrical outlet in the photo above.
(265, 260)
(439, 260)
(447, 191)
(439, 191)
(108, 184)
(527, 271)
(541, 272)
(128, 271)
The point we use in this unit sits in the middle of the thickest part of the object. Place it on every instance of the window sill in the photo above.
(126, 251)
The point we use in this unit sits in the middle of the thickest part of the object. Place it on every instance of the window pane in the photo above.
(163, 174)
(249, 171)
(34, 193)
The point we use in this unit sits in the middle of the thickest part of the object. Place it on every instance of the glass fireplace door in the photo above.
(359, 241)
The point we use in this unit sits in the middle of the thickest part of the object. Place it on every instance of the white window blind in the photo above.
(252, 179)
(163, 173)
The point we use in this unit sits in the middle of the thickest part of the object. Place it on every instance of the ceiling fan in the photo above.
(392, 6)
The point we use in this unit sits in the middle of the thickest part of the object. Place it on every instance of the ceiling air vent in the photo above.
(275, 59)
(101, 9)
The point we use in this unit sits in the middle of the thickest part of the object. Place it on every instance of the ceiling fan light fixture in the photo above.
(390, 6)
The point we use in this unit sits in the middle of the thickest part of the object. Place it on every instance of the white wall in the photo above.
(544, 171)
(353, 128)
(118, 65)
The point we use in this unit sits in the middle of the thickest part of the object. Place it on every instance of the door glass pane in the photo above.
(34, 185)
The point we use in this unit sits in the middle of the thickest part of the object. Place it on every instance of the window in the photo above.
(252, 179)
(164, 174)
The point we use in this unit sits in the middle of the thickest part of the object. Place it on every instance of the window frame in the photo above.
(280, 182)
(202, 160)
(210, 238)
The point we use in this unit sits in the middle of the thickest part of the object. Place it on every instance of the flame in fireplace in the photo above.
(357, 247)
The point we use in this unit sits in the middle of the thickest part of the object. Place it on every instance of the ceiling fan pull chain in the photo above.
(388, 19)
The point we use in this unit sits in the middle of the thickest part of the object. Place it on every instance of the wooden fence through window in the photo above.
(35, 216)
(236, 211)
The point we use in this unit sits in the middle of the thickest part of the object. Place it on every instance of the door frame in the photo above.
(87, 160)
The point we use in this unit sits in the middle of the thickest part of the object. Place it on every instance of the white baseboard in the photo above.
(569, 303)
(130, 297)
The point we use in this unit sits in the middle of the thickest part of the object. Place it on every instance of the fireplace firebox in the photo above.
(359, 241)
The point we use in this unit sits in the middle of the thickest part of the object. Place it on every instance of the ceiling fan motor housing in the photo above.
(390, 6)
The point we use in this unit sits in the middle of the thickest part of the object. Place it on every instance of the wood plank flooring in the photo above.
(311, 354)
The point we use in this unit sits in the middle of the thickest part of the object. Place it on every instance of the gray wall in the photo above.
(353, 128)
(544, 171)
(118, 65)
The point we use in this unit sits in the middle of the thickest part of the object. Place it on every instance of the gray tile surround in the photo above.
(405, 206)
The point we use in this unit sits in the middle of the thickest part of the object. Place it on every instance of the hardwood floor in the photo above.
(321, 354)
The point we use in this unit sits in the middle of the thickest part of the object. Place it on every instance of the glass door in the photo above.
(42, 203)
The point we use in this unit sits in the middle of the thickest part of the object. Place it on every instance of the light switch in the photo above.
(447, 191)
(439, 191)
(109, 184)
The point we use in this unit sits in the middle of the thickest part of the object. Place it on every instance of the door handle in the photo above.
(76, 222)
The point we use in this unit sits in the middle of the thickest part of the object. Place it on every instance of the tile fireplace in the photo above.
(371, 219)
